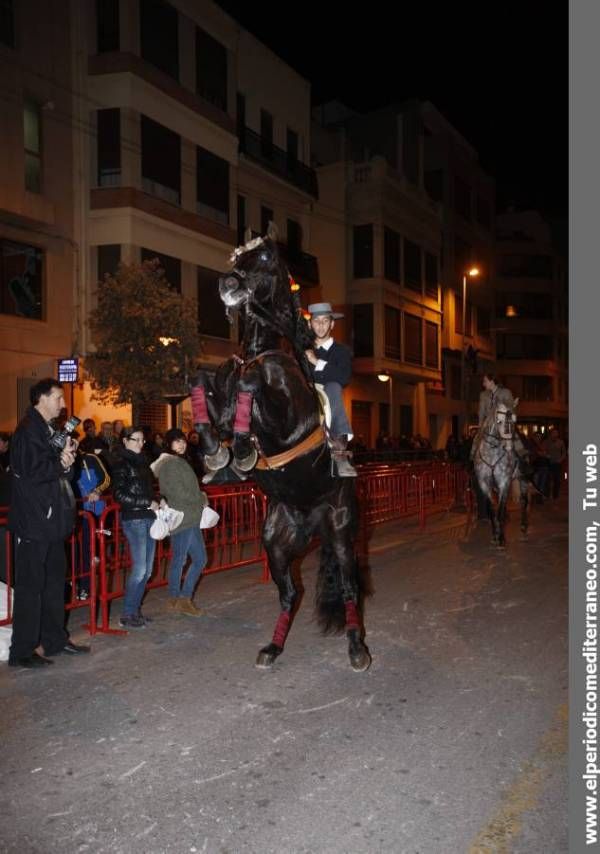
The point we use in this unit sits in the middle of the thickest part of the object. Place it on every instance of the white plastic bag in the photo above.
(209, 518)
(167, 519)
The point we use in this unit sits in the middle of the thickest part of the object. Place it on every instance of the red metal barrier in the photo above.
(6, 560)
(234, 542)
(386, 492)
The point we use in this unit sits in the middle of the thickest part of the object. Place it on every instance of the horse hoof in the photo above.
(217, 461)
(360, 661)
(265, 660)
(248, 463)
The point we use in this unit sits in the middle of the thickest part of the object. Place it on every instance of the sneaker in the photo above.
(186, 606)
(144, 617)
(132, 621)
(83, 595)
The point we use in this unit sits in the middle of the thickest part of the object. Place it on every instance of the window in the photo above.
(109, 257)
(527, 266)
(211, 69)
(211, 311)
(107, 25)
(528, 305)
(21, 280)
(431, 276)
(212, 186)
(363, 251)
(109, 148)
(32, 133)
(241, 219)
(392, 341)
(161, 161)
(434, 184)
(431, 345)
(510, 346)
(294, 237)
(413, 339)
(462, 198)
(391, 255)
(170, 265)
(159, 36)
(266, 134)
(7, 23)
(362, 329)
(412, 266)
(537, 388)
(266, 216)
(484, 212)
(292, 150)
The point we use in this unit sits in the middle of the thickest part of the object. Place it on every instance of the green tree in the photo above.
(145, 337)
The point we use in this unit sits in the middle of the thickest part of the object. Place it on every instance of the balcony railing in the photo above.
(276, 160)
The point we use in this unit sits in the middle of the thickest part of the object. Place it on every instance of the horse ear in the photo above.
(272, 232)
(248, 235)
(516, 403)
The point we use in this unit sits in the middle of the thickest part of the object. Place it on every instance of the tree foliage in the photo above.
(136, 309)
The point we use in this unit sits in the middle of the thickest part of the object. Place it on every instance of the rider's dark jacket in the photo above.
(339, 364)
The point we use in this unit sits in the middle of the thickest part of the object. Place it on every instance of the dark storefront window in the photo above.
(413, 339)
(413, 276)
(362, 329)
(211, 69)
(161, 161)
(391, 255)
(109, 147)
(363, 251)
(212, 186)
(211, 314)
(21, 280)
(159, 36)
(107, 25)
(171, 266)
(392, 341)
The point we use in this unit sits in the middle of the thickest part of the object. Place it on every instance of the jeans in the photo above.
(189, 542)
(340, 425)
(141, 548)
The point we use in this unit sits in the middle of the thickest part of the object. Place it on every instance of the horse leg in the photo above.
(284, 539)
(215, 455)
(501, 514)
(524, 496)
(339, 568)
(485, 485)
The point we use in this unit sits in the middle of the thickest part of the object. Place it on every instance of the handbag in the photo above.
(209, 518)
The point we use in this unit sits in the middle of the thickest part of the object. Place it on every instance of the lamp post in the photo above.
(385, 377)
(472, 273)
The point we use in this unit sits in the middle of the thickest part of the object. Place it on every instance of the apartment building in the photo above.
(377, 234)
(530, 321)
(39, 256)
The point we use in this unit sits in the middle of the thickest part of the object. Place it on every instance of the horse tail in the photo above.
(329, 601)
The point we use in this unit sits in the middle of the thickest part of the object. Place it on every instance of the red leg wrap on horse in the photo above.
(352, 621)
(281, 629)
(243, 412)
(199, 409)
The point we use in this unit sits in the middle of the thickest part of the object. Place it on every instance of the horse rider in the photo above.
(493, 393)
(331, 367)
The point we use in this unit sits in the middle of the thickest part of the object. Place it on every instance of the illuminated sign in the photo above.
(68, 370)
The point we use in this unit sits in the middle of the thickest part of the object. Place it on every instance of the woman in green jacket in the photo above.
(178, 484)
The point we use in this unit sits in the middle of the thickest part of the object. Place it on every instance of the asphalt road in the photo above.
(169, 740)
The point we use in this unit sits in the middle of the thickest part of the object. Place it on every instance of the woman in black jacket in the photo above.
(133, 489)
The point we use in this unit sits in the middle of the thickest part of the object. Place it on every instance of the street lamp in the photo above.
(472, 273)
(385, 377)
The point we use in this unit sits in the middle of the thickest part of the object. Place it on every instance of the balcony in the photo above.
(276, 160)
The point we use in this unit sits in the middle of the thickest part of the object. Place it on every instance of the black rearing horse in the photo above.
(265, 406)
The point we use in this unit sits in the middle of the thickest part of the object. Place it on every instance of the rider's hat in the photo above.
(318, 309)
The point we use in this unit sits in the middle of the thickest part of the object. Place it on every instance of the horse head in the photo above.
(505, 418)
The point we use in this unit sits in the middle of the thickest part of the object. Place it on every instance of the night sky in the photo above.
(497, 71)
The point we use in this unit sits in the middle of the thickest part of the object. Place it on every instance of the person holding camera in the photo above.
(41, 516)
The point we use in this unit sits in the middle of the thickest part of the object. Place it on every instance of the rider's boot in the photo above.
(341, 457)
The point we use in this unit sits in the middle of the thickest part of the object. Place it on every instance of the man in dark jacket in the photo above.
(41, 516)
(331, 365)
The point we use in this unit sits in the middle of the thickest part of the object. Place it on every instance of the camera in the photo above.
(58, 440)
